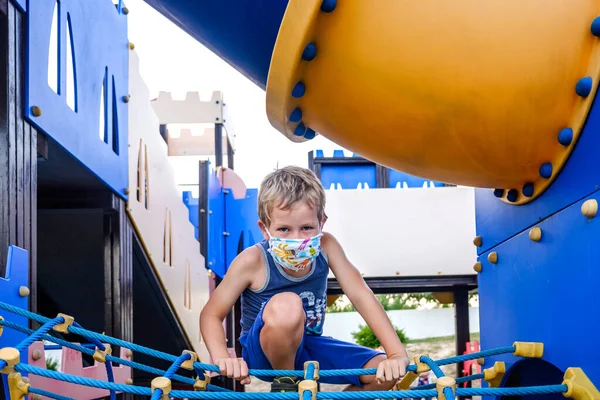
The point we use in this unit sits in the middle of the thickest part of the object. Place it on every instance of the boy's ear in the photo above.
(263, 229)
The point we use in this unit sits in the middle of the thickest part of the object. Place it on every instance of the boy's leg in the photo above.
(336, 354)
(369, 383)
(283, 330)
(275, 338)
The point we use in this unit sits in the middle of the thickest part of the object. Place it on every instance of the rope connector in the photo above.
(189, 364)
(442, 384)
(421, 366)
(310, 386)
(315, 365)
(163, 384)
(11, 357)
(1, 326)
(100, 355)
(579, 386)
(494, 375)
(202, 384)
(411, 376)
(407, 380)
(529, 349)
(17, 387)
(64, 327)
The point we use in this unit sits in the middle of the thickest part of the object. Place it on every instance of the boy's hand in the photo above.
(392, 369)
(235, 368)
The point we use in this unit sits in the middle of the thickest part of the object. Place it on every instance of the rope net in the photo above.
(445, 389)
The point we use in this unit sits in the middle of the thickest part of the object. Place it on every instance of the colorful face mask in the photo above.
(295, 254)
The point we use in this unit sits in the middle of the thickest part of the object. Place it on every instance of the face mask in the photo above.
(295, 254)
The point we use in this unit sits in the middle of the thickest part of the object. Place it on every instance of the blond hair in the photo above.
(285, 187)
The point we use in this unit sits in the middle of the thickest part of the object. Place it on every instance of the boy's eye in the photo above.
(307, 228)
(282, 229)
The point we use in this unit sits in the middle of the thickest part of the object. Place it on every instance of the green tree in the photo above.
(404, 301)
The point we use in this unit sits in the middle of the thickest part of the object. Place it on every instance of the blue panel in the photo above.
(348, 175)
(241, 219)
(216, 225)
(242, 33)
(17, 275)
(20, 4)
(396, 177)
(546, 292)
(497, 221)
(192, 205)
(98, 33)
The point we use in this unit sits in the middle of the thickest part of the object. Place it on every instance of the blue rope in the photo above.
(24, 368)
(449, 393)
(57, 347)
(170, 372)
(310, 371)
(389, 394)
(111, 358)
(256, 372)
(469, 378)
(109, 370)
(479, 354)
(24, 345)
(171, 358)
(28, 341)
(49, 394)
(518, 391)
(433, 365)
(59, 376)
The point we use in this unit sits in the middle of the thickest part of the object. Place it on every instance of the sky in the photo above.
(172, 61)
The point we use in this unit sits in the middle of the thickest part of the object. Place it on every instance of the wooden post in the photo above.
(18, 148)
(461, 306)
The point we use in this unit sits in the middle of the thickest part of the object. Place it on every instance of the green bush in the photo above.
(366, 337)
(52, 364)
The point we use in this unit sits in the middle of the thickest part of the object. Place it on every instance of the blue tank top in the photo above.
(312, 289)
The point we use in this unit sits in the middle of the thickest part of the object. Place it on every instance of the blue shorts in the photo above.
(330, 353)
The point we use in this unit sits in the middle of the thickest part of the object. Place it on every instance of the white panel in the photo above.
(160, 217)
(192, 142)
(192, 110)
(406, 232)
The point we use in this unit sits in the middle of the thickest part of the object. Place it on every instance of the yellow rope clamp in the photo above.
(17, 387)
(579, 386)
(410, 376)
(201, 384)
(493, 375)
(64, 327)
(12, 357)
(189, 364)
(443, 383)
(305, 385)
(529, 349)
(100, 356)
(1, 326)
(163, 384)
(316, 365)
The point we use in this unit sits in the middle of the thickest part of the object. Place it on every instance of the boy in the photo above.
(283, 286)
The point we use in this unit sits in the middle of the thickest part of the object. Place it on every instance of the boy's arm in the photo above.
(362, 298)
(238, 277)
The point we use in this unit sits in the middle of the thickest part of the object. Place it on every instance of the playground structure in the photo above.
(88, 196)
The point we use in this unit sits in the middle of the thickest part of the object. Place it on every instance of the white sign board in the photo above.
(405, 232)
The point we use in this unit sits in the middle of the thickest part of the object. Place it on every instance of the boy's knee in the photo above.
(284, 310)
